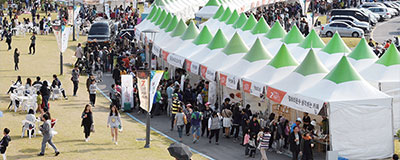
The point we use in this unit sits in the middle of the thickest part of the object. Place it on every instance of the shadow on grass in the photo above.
(98, 149)
(22, 156)
(30, 150)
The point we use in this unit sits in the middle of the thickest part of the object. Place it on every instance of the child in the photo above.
(4, 142)
(252, 146)
(246, 142)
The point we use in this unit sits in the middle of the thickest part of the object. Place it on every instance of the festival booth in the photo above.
(208, 10)
(292, 39)
(333, 51)
(353, 106)
(214, 26)
(258, 32)
(246, 28)
(214, 18)
(311, 41)
(384, 75)
(362, 56)
(227, 27)
(274, 37)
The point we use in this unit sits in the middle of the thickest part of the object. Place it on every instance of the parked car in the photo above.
(372, 15)
(101, 32)
(365, 29)
(342, 28)
(392, 11)
(349, 18)
(368, 5)
(356, 13)
(383, 12)
(392, 5)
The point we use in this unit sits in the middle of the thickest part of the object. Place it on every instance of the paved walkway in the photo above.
(386, 30)
(227, 149)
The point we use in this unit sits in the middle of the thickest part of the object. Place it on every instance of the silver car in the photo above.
(342, 28)
(382, 11)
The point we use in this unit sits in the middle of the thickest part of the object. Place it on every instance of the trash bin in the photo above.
(127, 107)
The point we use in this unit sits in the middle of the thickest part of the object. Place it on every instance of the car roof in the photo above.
(343, 21)
(344, 16)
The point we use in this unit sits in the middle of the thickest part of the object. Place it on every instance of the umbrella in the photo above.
(179, 151)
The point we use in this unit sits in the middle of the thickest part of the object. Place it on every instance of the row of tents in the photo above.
(359, 91)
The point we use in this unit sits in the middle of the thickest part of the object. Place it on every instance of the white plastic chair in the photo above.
(56, 92)
(25, 127)
(30, 103)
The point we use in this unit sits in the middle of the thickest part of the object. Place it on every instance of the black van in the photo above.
(354, 13)
(101, 32)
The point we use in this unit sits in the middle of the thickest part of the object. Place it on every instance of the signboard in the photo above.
(165, 55)
(212, 93)
(203, 71)
(127, 90)
(62, 34)
(155, 81)
(143, 78)
(70, 15)
(156, 50)
(176, 60)
(253, 88)
(192, 67)
(302, 103)
(275, 94)
(210, 74)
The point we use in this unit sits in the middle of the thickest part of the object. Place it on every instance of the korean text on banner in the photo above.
(155, 81)
(127, 90)
(143, 87)
(302, 103)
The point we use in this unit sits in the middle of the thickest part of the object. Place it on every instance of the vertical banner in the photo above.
(143, 78)
(212, 93)
(127, 90)
(62, 34)
(143, 87)
(107, 10)
(182, 83)
(70, 15)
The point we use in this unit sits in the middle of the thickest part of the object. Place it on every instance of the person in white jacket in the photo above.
(214, 126)
(114, 122)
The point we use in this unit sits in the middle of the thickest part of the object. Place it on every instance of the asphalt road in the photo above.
(226, 149)
(387, 29)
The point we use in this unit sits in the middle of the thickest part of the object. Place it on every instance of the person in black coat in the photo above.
(254, 125)
(4, 142)
(306, 147)
(9, 39)
(87, 121)
(16, 59)
(295, 141)
(45, 92)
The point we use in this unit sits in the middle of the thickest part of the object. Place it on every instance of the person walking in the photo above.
(16, 59)
(87, 121)
(204, 122)
(92, 93)
(180, 121)
(264, 143)
(306, 147)
(195, 120)
(176, 103)
(236, 118)
(75, 79)
(9, 39)
(78, 54)
(213, 127)
(47, 136)
(114, 122)
(294, 141)
(4, 142)
(33, 42)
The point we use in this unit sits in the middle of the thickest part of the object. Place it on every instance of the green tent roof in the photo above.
(172, 24)
(191, 32)
(159, 2)
(213, 3)
(158, 13)
(236, 45)
(179, 29)
(204, 37)
(166, 21)
(311, 65)
(283, 58)
(312, 41)
(343, 72)
(261, 27)
(232, 19)
(219, 12)
(161, 18)
(240, 21)
(336, 45)
(293, 36)
(152, 12)
(219, 40)
(362, 51)
(276, 31)
(391, 57)
(257, 52)
(249, 25)
(226, 15)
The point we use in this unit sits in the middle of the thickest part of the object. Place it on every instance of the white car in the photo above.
(372, 15)
(382, 11)
(349, 18)
(342, 28)
(393, 12)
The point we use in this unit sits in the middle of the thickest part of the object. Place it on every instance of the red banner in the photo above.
(275, 94)
(188, 65)
(222, 79)
(165, 55)
(246, 86)
(203, 71)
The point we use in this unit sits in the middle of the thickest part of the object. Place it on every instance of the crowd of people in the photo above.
(380, 48)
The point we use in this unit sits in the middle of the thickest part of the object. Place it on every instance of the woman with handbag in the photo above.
(87, 121)
(114, 122)
(180, 122)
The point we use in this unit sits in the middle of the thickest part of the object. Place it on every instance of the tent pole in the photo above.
(330, 128)
(393, 131)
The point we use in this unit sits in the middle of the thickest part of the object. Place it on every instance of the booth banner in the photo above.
(153, 63)
(212, 93)
(256, 89)
(188, 65)
(155, 81)
(275, 95)
(194, 68)
(231, 81)
(222, 79)
(203, 71)
(246, 86)
(127, 90)
(143, 88)
(156, 50)
(77, 9)
(210, 74)
(165, 55)
(182, 84)
(302, 103)
(176, 60)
